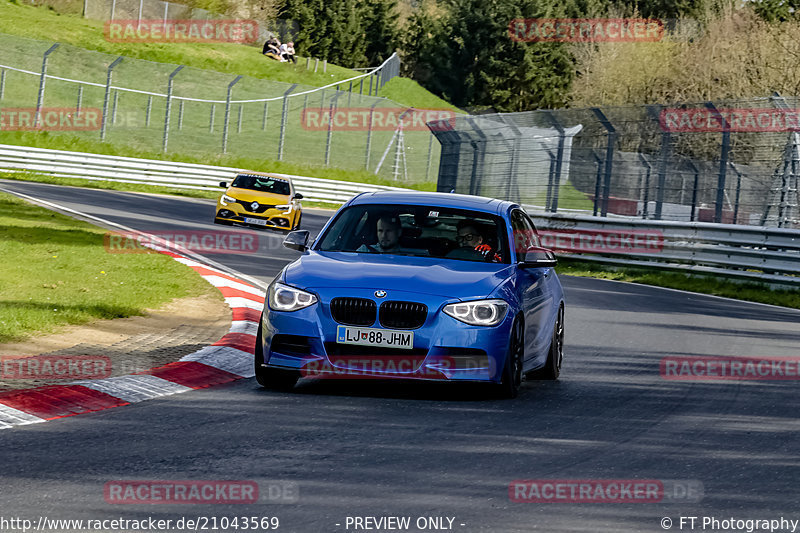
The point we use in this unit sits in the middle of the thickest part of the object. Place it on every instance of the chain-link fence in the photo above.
(730, 162)
(158, 107)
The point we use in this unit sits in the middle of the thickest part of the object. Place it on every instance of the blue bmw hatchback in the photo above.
(416, 285)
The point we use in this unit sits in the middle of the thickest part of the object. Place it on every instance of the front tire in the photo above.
(552, 368)
(512, 371)
(271, 378)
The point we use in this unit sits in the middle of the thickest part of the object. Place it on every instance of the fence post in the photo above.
(324, 66)
(369, 134)
(609, 161)
(430, 156)
(147, 111)
(139, 20)
(723, 161)
(599, 161)
(284, 120)
(168, 107)
(113, 8)
(349, 93)
(264, 118)
(370, 84)
(80, 99)
(664, 156)
(738, 191)
(512, 183)
(114, 107)
(105, 98)
(239, 120)
(646, 189)
(553, 206)
(166, 13)
(40, 97)
(2, 82)
(180, 114)
(316, 64)
(695, 186)
(550, 178)
(478, 157)
(330, 129)
(211, 119)
(227, 114)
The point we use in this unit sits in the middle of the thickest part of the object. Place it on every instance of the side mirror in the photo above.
(298, 196)
(536, 257)
(223, 184)
(297, 240)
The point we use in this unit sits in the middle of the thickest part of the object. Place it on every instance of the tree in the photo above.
(468, 57)
(331, 30)
(777, 10)
(380, 29)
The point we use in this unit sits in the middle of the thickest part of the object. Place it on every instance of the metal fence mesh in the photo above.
(211, 113)
(625, 161)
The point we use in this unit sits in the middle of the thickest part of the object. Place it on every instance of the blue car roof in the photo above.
(441, 199)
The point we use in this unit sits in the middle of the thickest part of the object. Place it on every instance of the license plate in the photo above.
(257, 221)
(389, 338)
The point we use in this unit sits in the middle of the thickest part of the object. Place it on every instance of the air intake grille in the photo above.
(353, 311)
(403, 315)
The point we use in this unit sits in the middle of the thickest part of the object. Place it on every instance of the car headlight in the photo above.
(479, 312)
(285, 298)
(225, 200)
(284, 207)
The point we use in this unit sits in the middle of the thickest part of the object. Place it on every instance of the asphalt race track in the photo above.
(377, 449)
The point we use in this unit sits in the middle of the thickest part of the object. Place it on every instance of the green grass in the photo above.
(46, 24)
(718, 286)
(410, 93)
(196, 127)
(56, 272)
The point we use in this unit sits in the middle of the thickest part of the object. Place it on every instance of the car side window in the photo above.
(523, 231)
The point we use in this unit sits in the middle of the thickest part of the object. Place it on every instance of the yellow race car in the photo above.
(260, 200)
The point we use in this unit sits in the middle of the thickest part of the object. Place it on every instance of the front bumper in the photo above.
(444, 349)
(273, 218)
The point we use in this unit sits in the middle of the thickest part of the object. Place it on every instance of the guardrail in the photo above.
(750, 252)
(97, 167)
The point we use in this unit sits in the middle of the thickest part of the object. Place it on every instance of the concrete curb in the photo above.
(228, 359)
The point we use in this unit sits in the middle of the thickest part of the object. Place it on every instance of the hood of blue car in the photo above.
(442, 277)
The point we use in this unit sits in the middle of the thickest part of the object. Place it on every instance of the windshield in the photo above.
(262, 183)
(417, 230)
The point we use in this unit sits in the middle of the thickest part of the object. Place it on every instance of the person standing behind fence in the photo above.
(287, 52)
